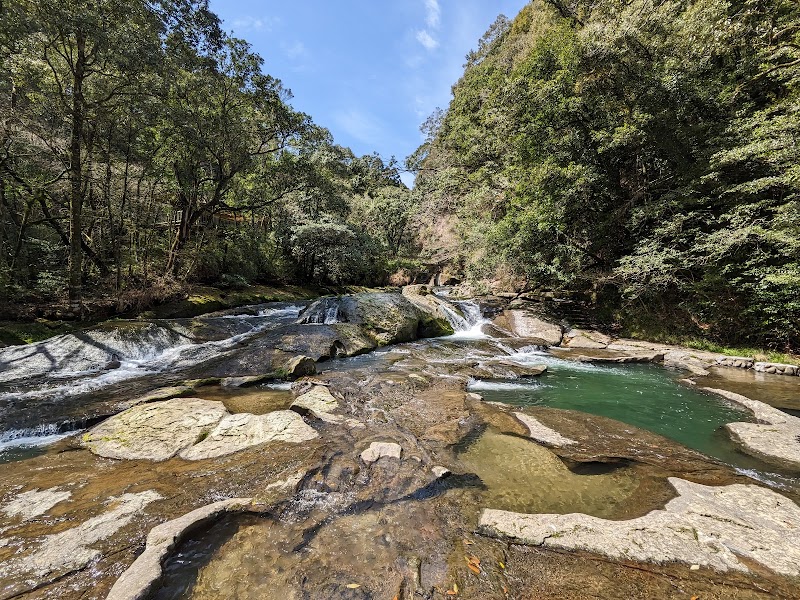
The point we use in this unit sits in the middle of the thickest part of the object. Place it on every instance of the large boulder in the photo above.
(240, 431)
(191, 428)
(440, 313)
(155, 431)
(385, 317)
(525, 324)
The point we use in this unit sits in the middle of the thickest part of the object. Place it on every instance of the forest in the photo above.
(639, 154)
(643, 153)
(142, 148)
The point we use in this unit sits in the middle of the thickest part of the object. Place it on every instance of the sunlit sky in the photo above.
(371, 71)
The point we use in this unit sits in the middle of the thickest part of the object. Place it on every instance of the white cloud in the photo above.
(424, 38)
(295, 50)
(249, 23)
(433, 13)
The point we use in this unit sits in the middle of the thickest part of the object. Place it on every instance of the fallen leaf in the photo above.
(353, 586)
(455, 588)
(695, 597)
(474, 569)
(467, 542)
(502, 566)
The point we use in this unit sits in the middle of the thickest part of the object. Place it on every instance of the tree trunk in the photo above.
(76, 180)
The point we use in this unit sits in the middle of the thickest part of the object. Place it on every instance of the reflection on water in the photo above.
(522, 476)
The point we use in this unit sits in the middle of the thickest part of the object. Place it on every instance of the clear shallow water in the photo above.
(522, 476)
(645, 396)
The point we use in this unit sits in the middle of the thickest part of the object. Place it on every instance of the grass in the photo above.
(755, 353)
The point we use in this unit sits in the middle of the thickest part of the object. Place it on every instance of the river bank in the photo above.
(308, 489)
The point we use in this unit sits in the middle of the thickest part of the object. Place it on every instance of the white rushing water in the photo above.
(470, 325)
(43, 435)
(76, 364)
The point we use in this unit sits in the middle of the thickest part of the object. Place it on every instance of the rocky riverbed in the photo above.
(334, 451)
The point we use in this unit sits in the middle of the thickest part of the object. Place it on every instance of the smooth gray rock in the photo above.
(524, 324)
(155, 431)
(379, 450)
(704, 525)
(318, 402)
(240, 431)
(300, 366)
(775, 438)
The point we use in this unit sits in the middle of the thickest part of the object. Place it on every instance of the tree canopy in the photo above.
(643, 150)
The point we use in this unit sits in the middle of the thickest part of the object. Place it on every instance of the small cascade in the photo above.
(323, 312)
(457, 322)
(470, 326)
(13, 442)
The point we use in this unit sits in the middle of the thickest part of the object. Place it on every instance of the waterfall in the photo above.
(470, 326)
(323, 312)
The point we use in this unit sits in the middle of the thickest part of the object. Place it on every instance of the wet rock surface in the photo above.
(775, 437)
(385, 500)
(717, 527)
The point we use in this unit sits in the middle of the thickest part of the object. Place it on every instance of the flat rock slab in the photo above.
(542, 433)
(319, 403)
(378, 450)
(155, 431)
(192, 428)
(240, 431)
(705, 525)
(71, 550)
(33, 503)
(775, 438)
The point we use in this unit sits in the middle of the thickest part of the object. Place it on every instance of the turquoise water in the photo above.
(645, 396)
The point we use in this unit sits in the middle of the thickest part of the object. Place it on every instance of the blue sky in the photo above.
(371, 71)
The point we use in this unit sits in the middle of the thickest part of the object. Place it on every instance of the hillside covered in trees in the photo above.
(639, 154)
(141, 146)
(643, 151)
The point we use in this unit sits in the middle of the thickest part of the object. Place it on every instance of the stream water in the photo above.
(53, 389)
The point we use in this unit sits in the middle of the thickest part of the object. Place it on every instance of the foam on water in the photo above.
(14, 440)
(75, 364)
(481, 385)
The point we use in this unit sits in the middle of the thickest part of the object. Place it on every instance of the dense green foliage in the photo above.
(141, 146)
(644, 150)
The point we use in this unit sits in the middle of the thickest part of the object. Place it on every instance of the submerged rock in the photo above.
(542, 433)
(34, 503)
(142, 577)
(70, 550)
(704, 525)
